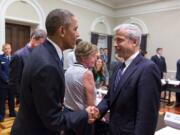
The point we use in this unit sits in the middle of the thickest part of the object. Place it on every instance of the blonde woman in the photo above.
(79, 83)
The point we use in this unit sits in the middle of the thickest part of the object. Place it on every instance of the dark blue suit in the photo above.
(134, 104)
(4, 87)
(42, 90)
(16, 68)
(178, 78)
(160, 62)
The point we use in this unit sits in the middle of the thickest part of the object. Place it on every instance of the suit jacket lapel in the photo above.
(131, 69)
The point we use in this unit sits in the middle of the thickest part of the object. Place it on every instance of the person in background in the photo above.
(160, 61)
(80, 90)
(37, 37)
(103, 54)
(43, 84)
(115, 62)
(106, 55)
(98, 73)
(71, 58)
(177, 104)
(133, 97)
(5, 91)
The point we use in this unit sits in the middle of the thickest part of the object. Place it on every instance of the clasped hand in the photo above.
(93, 114)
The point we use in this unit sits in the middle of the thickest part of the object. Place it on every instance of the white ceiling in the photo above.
(122, 8)
(124, 3)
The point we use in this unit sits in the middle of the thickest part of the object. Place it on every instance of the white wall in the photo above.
(21, 10)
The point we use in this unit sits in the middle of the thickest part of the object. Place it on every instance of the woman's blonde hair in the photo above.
(84, 50)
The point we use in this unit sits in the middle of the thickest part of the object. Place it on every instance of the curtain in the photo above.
(143, 44)
(94, 38)
(109, 45)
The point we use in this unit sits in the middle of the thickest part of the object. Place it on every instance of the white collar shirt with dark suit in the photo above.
(134, 104)
(42, 90)
(58, 50)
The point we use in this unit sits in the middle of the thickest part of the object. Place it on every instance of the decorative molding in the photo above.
(128, 9)
(103, 20)
(21, 20)
(132, 4)
(125, 4)
(148, 8)
(4, 6)
(139, 23)
(93, 6)
(106, 3)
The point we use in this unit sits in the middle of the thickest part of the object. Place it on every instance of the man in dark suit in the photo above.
(134, 91)
(42, 89)
(160, 61)
(5, 92)
(37, 37)
(177, 104)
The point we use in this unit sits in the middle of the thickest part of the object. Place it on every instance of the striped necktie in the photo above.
(119, 75)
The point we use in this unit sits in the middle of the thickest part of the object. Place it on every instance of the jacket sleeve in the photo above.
(104, 105)
(47, 90)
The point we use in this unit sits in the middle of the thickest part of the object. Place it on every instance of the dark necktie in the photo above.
(62, 61)
(119, 75)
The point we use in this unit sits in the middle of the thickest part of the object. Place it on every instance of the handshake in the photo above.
(93, 114)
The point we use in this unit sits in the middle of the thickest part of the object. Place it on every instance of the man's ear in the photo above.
(134, 42)
(61, 31)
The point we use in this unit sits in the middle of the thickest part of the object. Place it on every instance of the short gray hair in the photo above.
(133, 31)
(84, 49)
(57, 18)
(38, 33)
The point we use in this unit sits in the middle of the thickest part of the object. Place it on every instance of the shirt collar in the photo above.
(130, 59)
(58, 49)
(158, 55)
